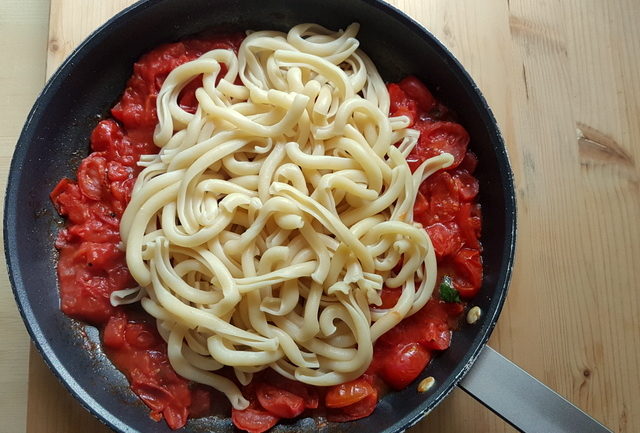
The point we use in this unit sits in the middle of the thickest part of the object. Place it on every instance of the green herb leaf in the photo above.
(447, 292)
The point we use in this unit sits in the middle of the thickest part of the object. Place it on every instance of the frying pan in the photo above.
(80, 93)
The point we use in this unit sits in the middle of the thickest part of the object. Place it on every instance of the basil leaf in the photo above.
(447, 292)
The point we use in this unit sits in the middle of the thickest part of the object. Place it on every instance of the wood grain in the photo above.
(23, 35)
(562, 78)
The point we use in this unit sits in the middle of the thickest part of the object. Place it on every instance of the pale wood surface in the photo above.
(562, 78)
(23, 40)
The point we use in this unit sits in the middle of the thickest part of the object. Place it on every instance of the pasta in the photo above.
(263, 232)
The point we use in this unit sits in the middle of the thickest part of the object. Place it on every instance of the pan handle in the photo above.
(521, 400)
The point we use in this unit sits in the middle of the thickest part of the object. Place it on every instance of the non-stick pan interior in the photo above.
(55, 139)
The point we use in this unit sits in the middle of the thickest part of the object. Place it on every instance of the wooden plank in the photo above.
(23, 35)
(562, 79)
(580, 194)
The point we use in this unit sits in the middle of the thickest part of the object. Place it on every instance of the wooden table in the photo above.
(562, 78)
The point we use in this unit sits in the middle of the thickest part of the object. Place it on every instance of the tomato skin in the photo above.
(92, 176)
(401, 104)
(437, 137)
(138, 336)
(279, 402)
(60, 188)
(70, 202)
(417, 91)
(445, 238)
(405, 365)
(361, 409)
(187, 98)
(389, 297)
(406, 349)
(348, 393)
(440, 190)
(469, 221)
(437, 335)
(420, 208)
(98, 255)
(113, 334)
(467, 186)
(147, 366)
(92, 230)
(308, 393)
(176, 416)
(162, 402)
(83, 295)
(253, 420)
(154, 396)
(105, 134)
(469, 162)
(468, 264)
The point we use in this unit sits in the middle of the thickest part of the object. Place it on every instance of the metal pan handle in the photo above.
(522, 400)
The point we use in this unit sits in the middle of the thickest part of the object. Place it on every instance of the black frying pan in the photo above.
(55, 138)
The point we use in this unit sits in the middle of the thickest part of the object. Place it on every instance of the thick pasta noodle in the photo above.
(282, 216)
(275, 214)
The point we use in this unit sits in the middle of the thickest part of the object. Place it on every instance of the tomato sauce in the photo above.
(92, 264)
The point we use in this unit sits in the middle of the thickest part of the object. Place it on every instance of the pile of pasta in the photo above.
(263, 232)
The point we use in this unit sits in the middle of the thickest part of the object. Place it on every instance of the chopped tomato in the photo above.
(406, 349)
(468, 220)
(308, 393)
(437, 335)
(113, 335)
(389, 297)
(466, 185)
(70, 202)
(401, 104)
(253, 420)
(154, 396)
(361, 409)
(454, 309)
(468, 263)
(417, 91)
(348, 393)
(404, 365)
(99, 255)
(118, 172)
(469, 162)
(83, 294)
(440, 190)
(420, 209)
(163, 402)
(176, 415)
(105, 134)
(139, 336)
(142, 356)
(279, 402)
(92, 230)
(445, 238)
(92, 176)
(187, 98)
(436, 138)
